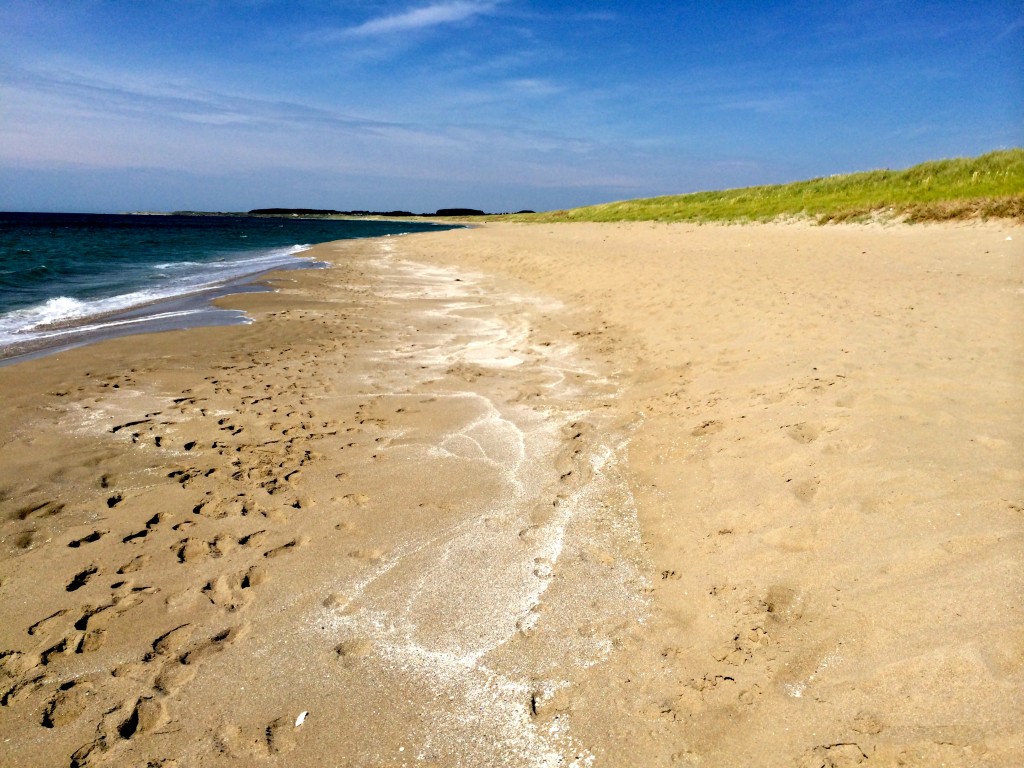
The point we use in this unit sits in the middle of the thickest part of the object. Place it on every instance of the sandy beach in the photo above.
(536, 495)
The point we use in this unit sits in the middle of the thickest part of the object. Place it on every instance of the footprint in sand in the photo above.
(804, 432)
(806, 489)
(89, 538)
(215, 644)
(254, 539)
(68, 704)
(118, 726)
(176, 657)
(81, 578)
(173, 677)
(28, 539)
(96, 618)
(285, 548)
(369, 554)
(707, 428)
(338, 601)
(43, 625)
(152, 523)
(354, 499)
(189, 550)
(171, 642)
(350, 651)
(230, 592)
(38, 510)
(137, 563)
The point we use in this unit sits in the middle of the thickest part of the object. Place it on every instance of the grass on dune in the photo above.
(989, 186)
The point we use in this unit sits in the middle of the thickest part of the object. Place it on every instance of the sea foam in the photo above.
(64, 276)
(62, 315)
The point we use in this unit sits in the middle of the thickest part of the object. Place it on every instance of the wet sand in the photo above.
(529, 495)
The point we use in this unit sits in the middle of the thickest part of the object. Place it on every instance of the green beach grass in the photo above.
(989, 186)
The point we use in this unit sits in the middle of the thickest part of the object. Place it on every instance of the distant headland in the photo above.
(328, 212)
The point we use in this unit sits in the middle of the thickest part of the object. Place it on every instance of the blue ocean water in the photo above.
(63, 274)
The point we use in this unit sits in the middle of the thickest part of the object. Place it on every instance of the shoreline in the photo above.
(816, 431)
(196, 309)
(177, 274)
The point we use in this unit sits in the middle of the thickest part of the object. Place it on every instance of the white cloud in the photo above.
(530, 86)
(417, 18)
(121, 96)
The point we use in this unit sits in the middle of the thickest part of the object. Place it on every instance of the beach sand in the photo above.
(531, 495)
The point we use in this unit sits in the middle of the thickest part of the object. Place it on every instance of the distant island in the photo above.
(322, 212)
(326, 212)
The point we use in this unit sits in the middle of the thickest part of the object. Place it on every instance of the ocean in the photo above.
(67, 279)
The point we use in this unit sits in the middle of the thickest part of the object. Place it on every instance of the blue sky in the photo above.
(494, 104)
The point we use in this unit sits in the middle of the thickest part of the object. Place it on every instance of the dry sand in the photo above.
(531, 495)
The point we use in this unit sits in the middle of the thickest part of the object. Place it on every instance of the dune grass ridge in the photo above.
(988, 186)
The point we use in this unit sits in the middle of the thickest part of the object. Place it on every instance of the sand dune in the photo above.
(530, 495)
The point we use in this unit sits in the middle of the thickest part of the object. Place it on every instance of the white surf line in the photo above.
(484, 579)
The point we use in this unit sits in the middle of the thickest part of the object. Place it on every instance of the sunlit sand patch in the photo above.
(449, 611)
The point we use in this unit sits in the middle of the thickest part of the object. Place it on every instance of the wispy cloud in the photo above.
(154, 101)
(60, 118)
(1012, 28)
(771, 104)
(529, 86)
(433, 15)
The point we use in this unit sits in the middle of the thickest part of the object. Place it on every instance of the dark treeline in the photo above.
(330, 212)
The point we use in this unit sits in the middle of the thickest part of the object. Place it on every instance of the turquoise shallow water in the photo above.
(63, 275)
